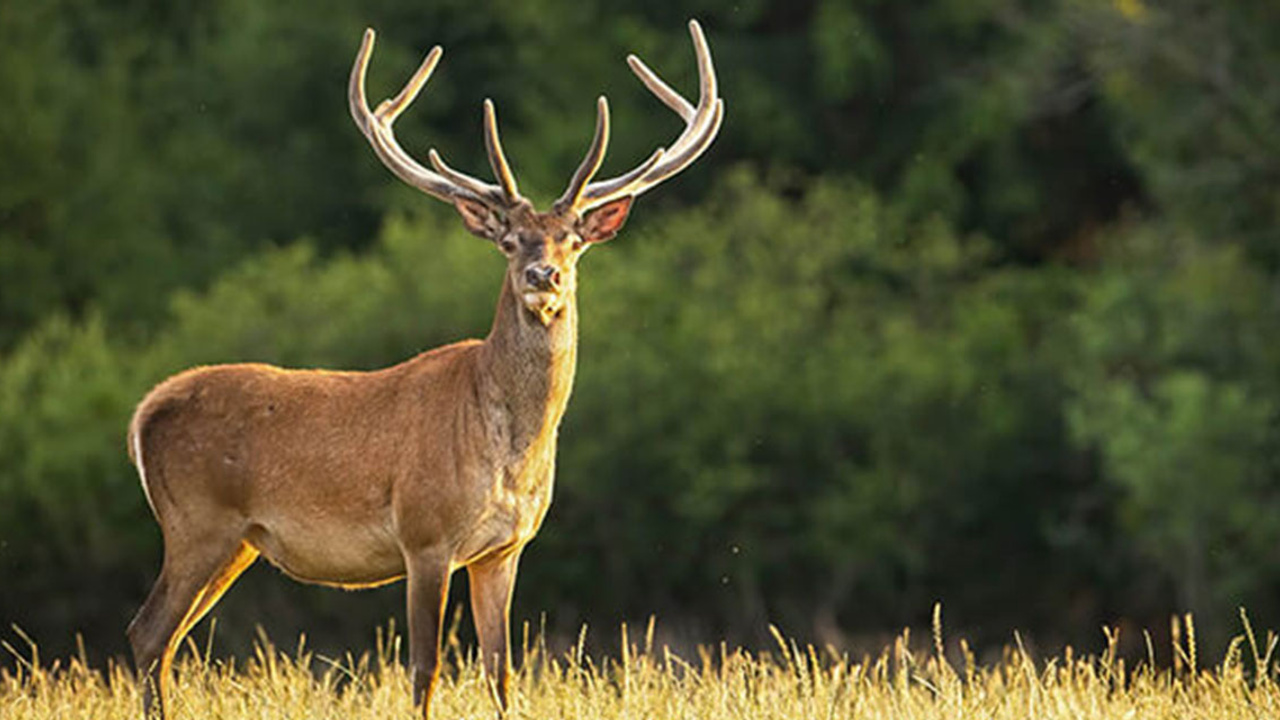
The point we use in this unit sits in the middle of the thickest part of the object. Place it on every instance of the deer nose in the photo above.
(542, 277)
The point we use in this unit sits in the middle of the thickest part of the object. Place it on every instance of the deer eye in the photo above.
(507, 243)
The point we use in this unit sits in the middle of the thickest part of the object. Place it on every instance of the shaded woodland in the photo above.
(971, 302)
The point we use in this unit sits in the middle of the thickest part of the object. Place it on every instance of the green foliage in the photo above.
(70, 506)
(127, 173)
(73, 193)
(149, 148)
(811, 400)
(1191, 85)
(1177, 388)
(74, 514)
(755, 377)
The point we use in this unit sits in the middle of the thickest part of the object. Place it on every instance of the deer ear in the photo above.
(605, 221)
(480, 219)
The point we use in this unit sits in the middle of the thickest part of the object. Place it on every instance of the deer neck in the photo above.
(527, 367)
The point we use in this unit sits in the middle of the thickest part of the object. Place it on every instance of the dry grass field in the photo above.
(648, 682)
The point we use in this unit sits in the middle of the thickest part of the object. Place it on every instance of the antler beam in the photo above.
(444, 183)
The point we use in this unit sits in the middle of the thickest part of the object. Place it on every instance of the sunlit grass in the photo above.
(902, 681)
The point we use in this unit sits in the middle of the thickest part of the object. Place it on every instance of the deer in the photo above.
(441, 462)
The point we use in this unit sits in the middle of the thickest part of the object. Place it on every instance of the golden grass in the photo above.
(790, 682)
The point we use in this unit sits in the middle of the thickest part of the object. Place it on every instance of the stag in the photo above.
(444, 461)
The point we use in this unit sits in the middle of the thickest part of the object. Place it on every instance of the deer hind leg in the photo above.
(194, 575)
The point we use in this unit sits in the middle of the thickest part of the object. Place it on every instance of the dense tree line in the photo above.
(971, 302)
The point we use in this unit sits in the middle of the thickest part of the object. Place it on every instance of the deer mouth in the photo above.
(544, 304)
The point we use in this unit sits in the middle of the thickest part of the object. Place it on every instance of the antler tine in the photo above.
(389, 110)
(708, 87)
(656, 86)
(702, 123)
(376, 126)
(591, 162)
(357, 102)
(479, 187)
(497, 160)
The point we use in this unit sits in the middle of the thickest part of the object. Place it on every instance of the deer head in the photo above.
(542, 248)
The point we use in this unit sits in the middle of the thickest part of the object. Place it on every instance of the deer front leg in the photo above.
(492, 581)
(428, 591)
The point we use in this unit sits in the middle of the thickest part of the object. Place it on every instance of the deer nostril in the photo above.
(544, 277)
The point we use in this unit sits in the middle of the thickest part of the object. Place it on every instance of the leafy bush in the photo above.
(1176, 386)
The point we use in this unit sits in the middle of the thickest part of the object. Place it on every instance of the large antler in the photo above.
(701, 125)
(445, 182)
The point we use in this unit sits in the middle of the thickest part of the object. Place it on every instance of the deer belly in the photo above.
(329, 554)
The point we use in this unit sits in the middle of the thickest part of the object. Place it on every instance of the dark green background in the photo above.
(972, 300)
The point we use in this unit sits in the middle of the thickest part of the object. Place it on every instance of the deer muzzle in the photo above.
(542, 278)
